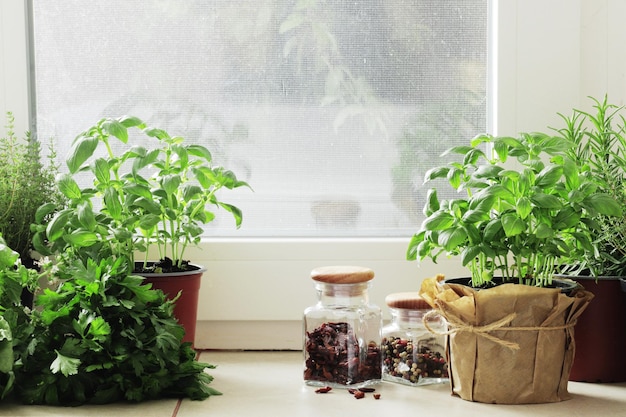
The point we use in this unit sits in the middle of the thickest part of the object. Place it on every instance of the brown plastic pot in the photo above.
(186, 307)
(601, 333)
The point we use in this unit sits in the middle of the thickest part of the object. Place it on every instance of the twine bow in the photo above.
(456, 325)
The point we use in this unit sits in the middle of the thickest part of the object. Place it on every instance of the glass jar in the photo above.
(342, 331)
(412, 355)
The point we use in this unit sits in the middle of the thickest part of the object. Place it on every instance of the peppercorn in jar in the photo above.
(342, 331)
(411, 354)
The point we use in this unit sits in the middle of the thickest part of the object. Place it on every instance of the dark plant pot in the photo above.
(186, 307)
(601, 332)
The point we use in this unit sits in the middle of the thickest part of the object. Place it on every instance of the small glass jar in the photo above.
(342, 331)
(412, 355)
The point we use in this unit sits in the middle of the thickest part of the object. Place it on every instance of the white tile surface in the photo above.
(162, 408)
(270, 384)
(260, 384)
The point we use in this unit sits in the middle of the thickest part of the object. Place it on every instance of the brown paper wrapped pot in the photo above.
(511, 344)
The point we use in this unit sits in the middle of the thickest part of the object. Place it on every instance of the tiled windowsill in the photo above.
(265, 383)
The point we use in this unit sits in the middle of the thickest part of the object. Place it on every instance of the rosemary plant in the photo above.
(599, 139)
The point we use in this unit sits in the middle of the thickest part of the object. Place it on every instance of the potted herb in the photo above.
(513, 220)
(599, 149)
(157, 193)
(26, 183)
(99, 337)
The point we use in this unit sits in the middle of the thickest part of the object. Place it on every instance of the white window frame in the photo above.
(548, 56)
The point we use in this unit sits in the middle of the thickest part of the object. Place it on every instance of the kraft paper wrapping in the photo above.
(511, 344)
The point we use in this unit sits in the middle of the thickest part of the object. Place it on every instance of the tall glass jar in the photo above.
(412, 355)
(342, 331)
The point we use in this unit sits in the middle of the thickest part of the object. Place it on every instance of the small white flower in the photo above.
(43, 262)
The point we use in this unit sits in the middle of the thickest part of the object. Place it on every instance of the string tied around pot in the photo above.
(456, 325)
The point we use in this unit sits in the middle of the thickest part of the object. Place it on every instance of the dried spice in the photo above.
(360, 393)
(334, 355)
(403, 359)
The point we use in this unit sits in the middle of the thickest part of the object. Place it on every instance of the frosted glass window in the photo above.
(331, 110)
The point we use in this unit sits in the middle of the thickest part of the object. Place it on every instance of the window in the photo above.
(331, 110)
(544, 58)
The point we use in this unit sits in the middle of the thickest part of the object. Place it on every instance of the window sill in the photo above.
(270, 384)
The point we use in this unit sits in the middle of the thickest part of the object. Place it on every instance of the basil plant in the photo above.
(523, 207)
(136, 198)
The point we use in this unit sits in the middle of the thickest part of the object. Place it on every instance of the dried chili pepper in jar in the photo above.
(342, 331)
(411, 354)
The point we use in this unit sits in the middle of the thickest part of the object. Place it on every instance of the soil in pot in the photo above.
(566, 285)
(164, 266)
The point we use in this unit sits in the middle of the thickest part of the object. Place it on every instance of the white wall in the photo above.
(14, 64)
(537, 64)
(603, 57)
(551, 55)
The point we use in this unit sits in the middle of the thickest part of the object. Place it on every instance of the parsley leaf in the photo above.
(64, 364)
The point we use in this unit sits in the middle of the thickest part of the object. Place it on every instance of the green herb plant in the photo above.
(138, 198)
(524, 206)
(16, 327)
(599, 139)
(25, 184)
(102, 336)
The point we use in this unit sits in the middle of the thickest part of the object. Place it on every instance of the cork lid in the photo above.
(407, 300)
(342, 274)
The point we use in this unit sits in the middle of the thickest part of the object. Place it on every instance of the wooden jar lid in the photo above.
(342, 274)
(407, 301)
